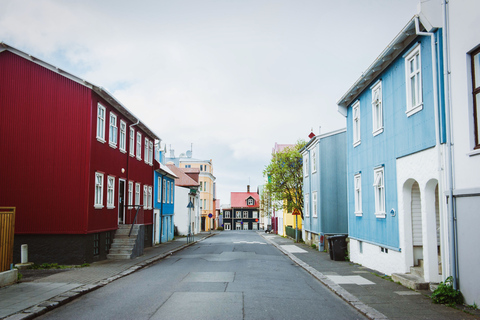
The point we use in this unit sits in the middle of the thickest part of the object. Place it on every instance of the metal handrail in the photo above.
(135, 219)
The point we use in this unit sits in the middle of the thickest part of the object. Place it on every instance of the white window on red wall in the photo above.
(150, 204)
(123, 136)
(146, 151)
(139, 146)
(130, 193)
(100, 123)
(113, 132)
(150, 153)
(137, 194)
(98, 190)
(132, 142)
(110, 192)
(145, 197)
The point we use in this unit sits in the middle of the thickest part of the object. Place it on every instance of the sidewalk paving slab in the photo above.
(27, 300)
(373, 294)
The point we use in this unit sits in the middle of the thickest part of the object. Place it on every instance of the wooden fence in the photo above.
(7, 231)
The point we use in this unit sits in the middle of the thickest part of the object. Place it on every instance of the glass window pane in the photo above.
(477, 107)
(476, 66)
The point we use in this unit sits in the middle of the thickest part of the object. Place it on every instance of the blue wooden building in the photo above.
(395, 130)
(325, 187)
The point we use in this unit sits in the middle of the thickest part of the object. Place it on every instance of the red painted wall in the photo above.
(49, 152)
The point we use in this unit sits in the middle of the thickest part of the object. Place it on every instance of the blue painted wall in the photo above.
(166, 209)
(402, 136)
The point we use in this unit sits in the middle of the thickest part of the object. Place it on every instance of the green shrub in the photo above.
(446, 294)
(220, 228)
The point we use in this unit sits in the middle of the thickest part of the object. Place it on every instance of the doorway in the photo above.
(121, 201)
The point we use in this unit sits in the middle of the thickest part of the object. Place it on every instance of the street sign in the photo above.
(296, 212)
(210, 215)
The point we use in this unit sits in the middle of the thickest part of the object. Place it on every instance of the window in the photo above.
(227, 214)
(110, 192)
(245, 214)
(146, 152)
(123, 136)
(150, 154)
(201, 167)
(164, 188)
(98, 190)
(255, 215)
(245, 226)
(379, 189)
(377, 108)
(130, 193)
(305, 166)
(137, 194)
(100, 123)
(254, 226)
(307, 205)
(172, 188)
(356, 123)
(357, 181)
(238, 214)
(150, 204)
(238, 226)
(250, 202)
(96, 244)
(132, 142)
(145, 197)
(168, 191)
(139, 146)
(314, 161)
(228, 226)
(314, 204)
(159, 189)
(113, 133)
(476, 96)
(413, 76)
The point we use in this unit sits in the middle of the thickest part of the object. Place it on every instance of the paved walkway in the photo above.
(26, 300)
(364, 289)
(375, 296)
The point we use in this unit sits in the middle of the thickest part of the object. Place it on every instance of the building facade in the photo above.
(243, 213)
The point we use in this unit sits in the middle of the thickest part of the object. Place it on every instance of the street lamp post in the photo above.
(190, 237)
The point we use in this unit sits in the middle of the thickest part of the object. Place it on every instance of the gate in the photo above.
(7, 231)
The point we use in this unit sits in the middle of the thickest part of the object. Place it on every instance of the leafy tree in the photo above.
(285, 178)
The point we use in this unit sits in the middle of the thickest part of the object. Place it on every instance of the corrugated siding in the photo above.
(44, 139)
(416, 216)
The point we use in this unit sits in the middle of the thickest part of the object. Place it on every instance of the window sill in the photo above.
(357, 143)
(139, 159)
(377, 132)
(123, 151)
(110, 207)
(474, 153)
(101, 140)
(414, 110)
(112, 145)
(380, 215)
(98, 206)
(359, 214)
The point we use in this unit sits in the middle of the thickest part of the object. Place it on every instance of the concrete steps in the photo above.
(123, 246)
(413, 280)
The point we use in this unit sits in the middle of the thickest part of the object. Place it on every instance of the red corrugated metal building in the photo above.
(70, 182)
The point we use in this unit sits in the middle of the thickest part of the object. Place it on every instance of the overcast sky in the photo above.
(230, 77)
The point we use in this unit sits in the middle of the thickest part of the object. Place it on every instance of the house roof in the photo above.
(102, 92)
(319, 137)
(184, 180)
(163, 169)
(388, 55)
(239, 199)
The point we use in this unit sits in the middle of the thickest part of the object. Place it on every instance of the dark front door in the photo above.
(121, 200)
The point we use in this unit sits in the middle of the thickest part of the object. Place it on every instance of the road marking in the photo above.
(293, 249)
(249, 242)
(350, 280)
(406, 293)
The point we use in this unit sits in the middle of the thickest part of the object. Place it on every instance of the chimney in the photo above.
(248, 188)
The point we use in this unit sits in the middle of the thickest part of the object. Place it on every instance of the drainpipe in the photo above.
(449, 164)
(128, 157)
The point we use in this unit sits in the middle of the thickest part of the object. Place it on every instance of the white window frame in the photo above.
(356, 124)
(306, 168)
(101, 111)
(168, 191)
(238, 225)
(150, 202)
(172, 191)
(357, 185)
(137, 194)
(123, 136)
(475, 115)
(164, 190)
(377, 108)
(132, 142)
(314, 161)
(150, 155)
(307, 205)
(139, 146)
(227, 214)
(98, 199)
(146, 151)
(314, 204)
(250, 202)
(145, 196)
(159, 190)
(228, 226)
(245, 214)
(130, 193)
(245, 226)
(379, 191)
(238, 215)
(110, 192)
(113, 131)
(255, 215)
(414, 92)
(254, 226)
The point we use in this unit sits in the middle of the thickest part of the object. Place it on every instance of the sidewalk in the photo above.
(375, 296)
(27, 300)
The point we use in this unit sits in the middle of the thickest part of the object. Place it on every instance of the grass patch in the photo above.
(45, 266)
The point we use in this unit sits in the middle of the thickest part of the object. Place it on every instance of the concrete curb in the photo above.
(367, 311)
(64, 298)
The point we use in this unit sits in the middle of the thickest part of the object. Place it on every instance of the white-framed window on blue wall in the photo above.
(379, 191)
(314, 204)
(314, 161)
(306, 169)
(357, 181)
(307, 205)
(377, 108)
(413, 78)
(159, 189)
(164, 188)
(356, 123)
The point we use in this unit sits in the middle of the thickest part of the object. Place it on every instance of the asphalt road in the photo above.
(233, 275)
